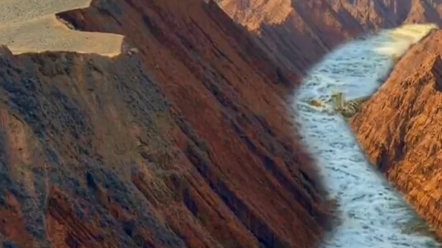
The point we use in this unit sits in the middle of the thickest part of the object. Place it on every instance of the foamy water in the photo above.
(372, 213)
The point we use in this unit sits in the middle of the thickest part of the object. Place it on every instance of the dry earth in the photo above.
(32, 27)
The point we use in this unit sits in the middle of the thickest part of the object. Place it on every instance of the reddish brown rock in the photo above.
(391, 13)
(400, 128)
(299, 33)
(308, 29)
(184, 140)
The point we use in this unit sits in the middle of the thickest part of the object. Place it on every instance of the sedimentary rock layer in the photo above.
(400, 128)
(399, 125)
(182, 140)
(301, 32)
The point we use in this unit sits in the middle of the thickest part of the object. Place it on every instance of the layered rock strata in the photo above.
(399, 128)
(181, 140)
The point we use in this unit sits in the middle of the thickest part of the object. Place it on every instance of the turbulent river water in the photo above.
(372, 213)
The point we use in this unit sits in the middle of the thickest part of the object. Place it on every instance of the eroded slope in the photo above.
(375, 14)
(321, 19)
(181, 140)
(303, 31)
(299, 34)
(400, 129)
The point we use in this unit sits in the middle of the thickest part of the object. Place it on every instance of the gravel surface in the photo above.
(31, 27)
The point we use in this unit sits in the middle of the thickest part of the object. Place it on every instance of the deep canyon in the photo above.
(184, 138)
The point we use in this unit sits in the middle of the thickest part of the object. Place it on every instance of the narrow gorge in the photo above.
(163, 123)
(371, 212)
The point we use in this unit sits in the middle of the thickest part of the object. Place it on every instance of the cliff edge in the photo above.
(182, 139)
(32, 27)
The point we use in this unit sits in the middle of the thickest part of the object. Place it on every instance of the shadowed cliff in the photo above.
(183, 140)
(398, 128)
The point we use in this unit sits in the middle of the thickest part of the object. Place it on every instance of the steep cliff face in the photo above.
(400, 129)
(301, 32)
(182, 140)
(390, 13)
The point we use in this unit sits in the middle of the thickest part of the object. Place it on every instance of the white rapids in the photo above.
(372, 213)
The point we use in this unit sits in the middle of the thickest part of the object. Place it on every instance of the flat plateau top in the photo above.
(30, 26)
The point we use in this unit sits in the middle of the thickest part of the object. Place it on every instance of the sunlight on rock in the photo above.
(368, 203)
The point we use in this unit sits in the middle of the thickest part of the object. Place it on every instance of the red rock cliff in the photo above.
(407, 146)
(183, 141)
(300, 32)
(400, 128)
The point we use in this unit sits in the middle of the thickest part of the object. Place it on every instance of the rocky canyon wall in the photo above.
(400, 128)
(182, 140)
(299, 33)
